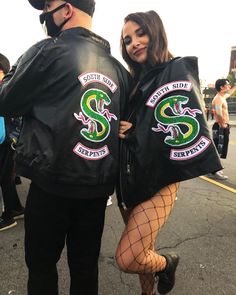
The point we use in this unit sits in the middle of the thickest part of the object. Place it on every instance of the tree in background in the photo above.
(232, 79)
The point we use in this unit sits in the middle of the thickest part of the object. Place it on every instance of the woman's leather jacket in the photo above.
(170, 140)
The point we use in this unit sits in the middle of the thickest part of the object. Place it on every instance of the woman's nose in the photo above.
(136, 43)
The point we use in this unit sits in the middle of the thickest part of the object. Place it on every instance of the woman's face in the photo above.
(136, 42)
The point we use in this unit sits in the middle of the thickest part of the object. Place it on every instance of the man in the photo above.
(221, 126)
(71, 93)
(12, 206)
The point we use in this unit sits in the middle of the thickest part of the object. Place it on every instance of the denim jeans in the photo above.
(50, 222)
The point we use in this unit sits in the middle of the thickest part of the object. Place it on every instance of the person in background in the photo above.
(207, 111)
(72, 94)
(221, 127)
(12, 207)
(164, 140)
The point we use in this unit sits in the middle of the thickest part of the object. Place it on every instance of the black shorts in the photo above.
(221, 139)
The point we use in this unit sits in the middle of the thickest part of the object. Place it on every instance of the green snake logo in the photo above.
(172, 118)
(98, 122)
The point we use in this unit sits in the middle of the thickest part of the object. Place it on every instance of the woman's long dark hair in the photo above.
(158, 51)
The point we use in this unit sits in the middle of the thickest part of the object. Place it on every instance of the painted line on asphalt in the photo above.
(232, 142)
(228, 188)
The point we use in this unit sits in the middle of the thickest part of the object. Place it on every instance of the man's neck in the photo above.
(222, 94)
(79, 19)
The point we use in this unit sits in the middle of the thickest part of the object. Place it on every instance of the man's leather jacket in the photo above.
(71, 93)
(170, 140)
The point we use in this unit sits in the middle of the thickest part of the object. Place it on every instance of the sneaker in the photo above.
(220, 172)
(167, 276)
(219, 175)
(109, 201)
(6, 223)
(18, 214)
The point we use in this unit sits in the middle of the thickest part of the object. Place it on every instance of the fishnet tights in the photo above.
(135, 252)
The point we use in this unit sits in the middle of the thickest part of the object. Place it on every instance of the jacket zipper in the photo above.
(128, 168)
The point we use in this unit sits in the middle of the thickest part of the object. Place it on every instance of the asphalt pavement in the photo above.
(201, 229)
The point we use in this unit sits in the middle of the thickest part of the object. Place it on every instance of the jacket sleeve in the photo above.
(17, 92)
(124, 100)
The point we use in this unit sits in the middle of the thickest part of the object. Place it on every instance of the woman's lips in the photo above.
(139, 51)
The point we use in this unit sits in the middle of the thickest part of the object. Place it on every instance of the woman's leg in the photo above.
(135, 252)
(147, 281)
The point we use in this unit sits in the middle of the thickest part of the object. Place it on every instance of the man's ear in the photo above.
(69, 10)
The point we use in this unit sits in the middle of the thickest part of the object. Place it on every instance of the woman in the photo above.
(165, 140)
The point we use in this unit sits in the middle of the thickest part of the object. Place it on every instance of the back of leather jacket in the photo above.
(170, 140)
(71, 93)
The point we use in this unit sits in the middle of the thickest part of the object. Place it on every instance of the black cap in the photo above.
(86, 6)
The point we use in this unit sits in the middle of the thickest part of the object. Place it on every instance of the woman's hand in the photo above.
(124, 127)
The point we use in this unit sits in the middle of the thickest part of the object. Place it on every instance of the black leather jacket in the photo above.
(71, 93)
(170, 140)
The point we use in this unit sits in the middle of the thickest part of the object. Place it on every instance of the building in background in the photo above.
(232, 66)
(232, 77)
(209, 91)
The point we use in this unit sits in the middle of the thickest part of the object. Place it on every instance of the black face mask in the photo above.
(47, 18)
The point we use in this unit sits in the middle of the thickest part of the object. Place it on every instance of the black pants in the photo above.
(7, 181)
(50, 222)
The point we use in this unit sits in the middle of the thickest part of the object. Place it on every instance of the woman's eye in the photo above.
(141, 32)
(127, 41)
